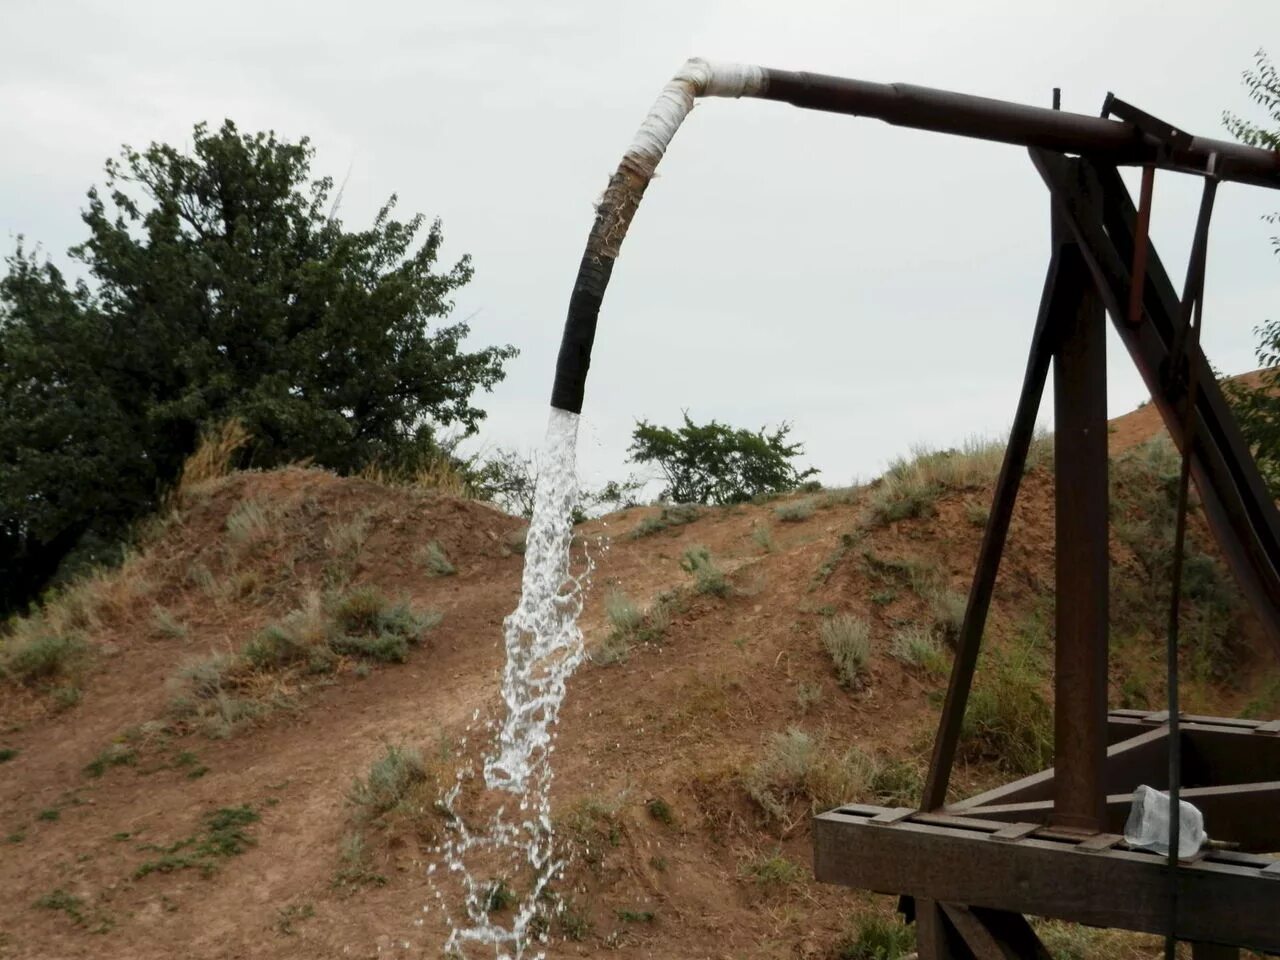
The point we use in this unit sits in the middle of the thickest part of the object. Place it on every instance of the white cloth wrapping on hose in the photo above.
(697, 78)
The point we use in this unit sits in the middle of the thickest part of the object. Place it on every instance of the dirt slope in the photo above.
(672, 855)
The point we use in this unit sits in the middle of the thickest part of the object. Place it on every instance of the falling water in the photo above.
(543, 647)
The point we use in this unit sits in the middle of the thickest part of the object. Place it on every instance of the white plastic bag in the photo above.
(1148, 825)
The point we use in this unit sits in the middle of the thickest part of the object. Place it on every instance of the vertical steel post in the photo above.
(1082, 561)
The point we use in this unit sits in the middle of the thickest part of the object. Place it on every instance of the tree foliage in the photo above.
(218, 283)
(1258, 408)
(715, 463)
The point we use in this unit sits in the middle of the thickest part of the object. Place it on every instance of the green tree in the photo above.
(217, 283)
(1258, 407)
(715, 463)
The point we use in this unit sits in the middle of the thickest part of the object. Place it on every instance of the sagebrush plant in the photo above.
(795, 510)
(707, 577)
(431, 555)
(763, 537)
(668, 517)
(796, 775)
(847, 639)
(916, 646)
(390, 783)
(221, 692)
(624, 616)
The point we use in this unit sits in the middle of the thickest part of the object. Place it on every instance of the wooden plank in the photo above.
(1115, 888)
(1244, 813)
(933, 936)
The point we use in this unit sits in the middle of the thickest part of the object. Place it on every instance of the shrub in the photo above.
(707, 577)
(877, 938)
(773, 871)
(795, 769)
(848, 640)
(795, 511)
(1008, 719)
(948, 607)
(432, 556)
(389, 784)
(763, 537)
(676, 515)
(916, 647)
(34, 655)
(623, 615)
(249, 523)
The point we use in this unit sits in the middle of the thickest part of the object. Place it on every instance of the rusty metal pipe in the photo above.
(942, 111)
(1111, 141)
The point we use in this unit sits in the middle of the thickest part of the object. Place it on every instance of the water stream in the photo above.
(515, 841)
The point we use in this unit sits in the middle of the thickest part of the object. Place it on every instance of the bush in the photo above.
(433, 557)
(668, 517)
(877, 938)
(1008, 719)
(624, 616)
(389, 784)
(35, 656)
(916, 647)
(763, 537)
(795, 511)
(794, 769)
(774, 871)
(707, 577)
(848, 640)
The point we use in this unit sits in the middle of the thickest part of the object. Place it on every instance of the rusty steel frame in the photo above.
(965, 871)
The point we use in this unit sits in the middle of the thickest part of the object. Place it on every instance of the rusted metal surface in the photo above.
(1235, 902)
(1128, 763)
(1142, 240)
(1235, 500)
(943, 111)
(1082, 561)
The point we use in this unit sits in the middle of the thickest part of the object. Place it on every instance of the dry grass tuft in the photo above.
(214, 457)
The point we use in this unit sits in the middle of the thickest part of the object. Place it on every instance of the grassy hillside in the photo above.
(231, 745)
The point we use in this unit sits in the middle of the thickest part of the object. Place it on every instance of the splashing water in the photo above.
(543, 647)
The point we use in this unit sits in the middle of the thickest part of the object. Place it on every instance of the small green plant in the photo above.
(667, 518)
(165, 624)
(636, 916)
(624, 616)
(500, 897)
(876, 938)
(895, 783)
(7, 754)
(16, 837)
(707, 577)
(661, 811)
(38, 656)
(773, 871)
(223, 835)
(976, 513)
(1008, 719)
(948, 608)
(390, 782)
(763, 537)
(67, 903)
(574, 923)
(115, 755)
(249, 524)
(436, 562)
(354, 868)
(808, 695)
(287, 917)
(917, 647)
(847, 640)
(49, 813)
(795, 510)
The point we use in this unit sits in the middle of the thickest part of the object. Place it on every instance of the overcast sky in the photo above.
(874, 286)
